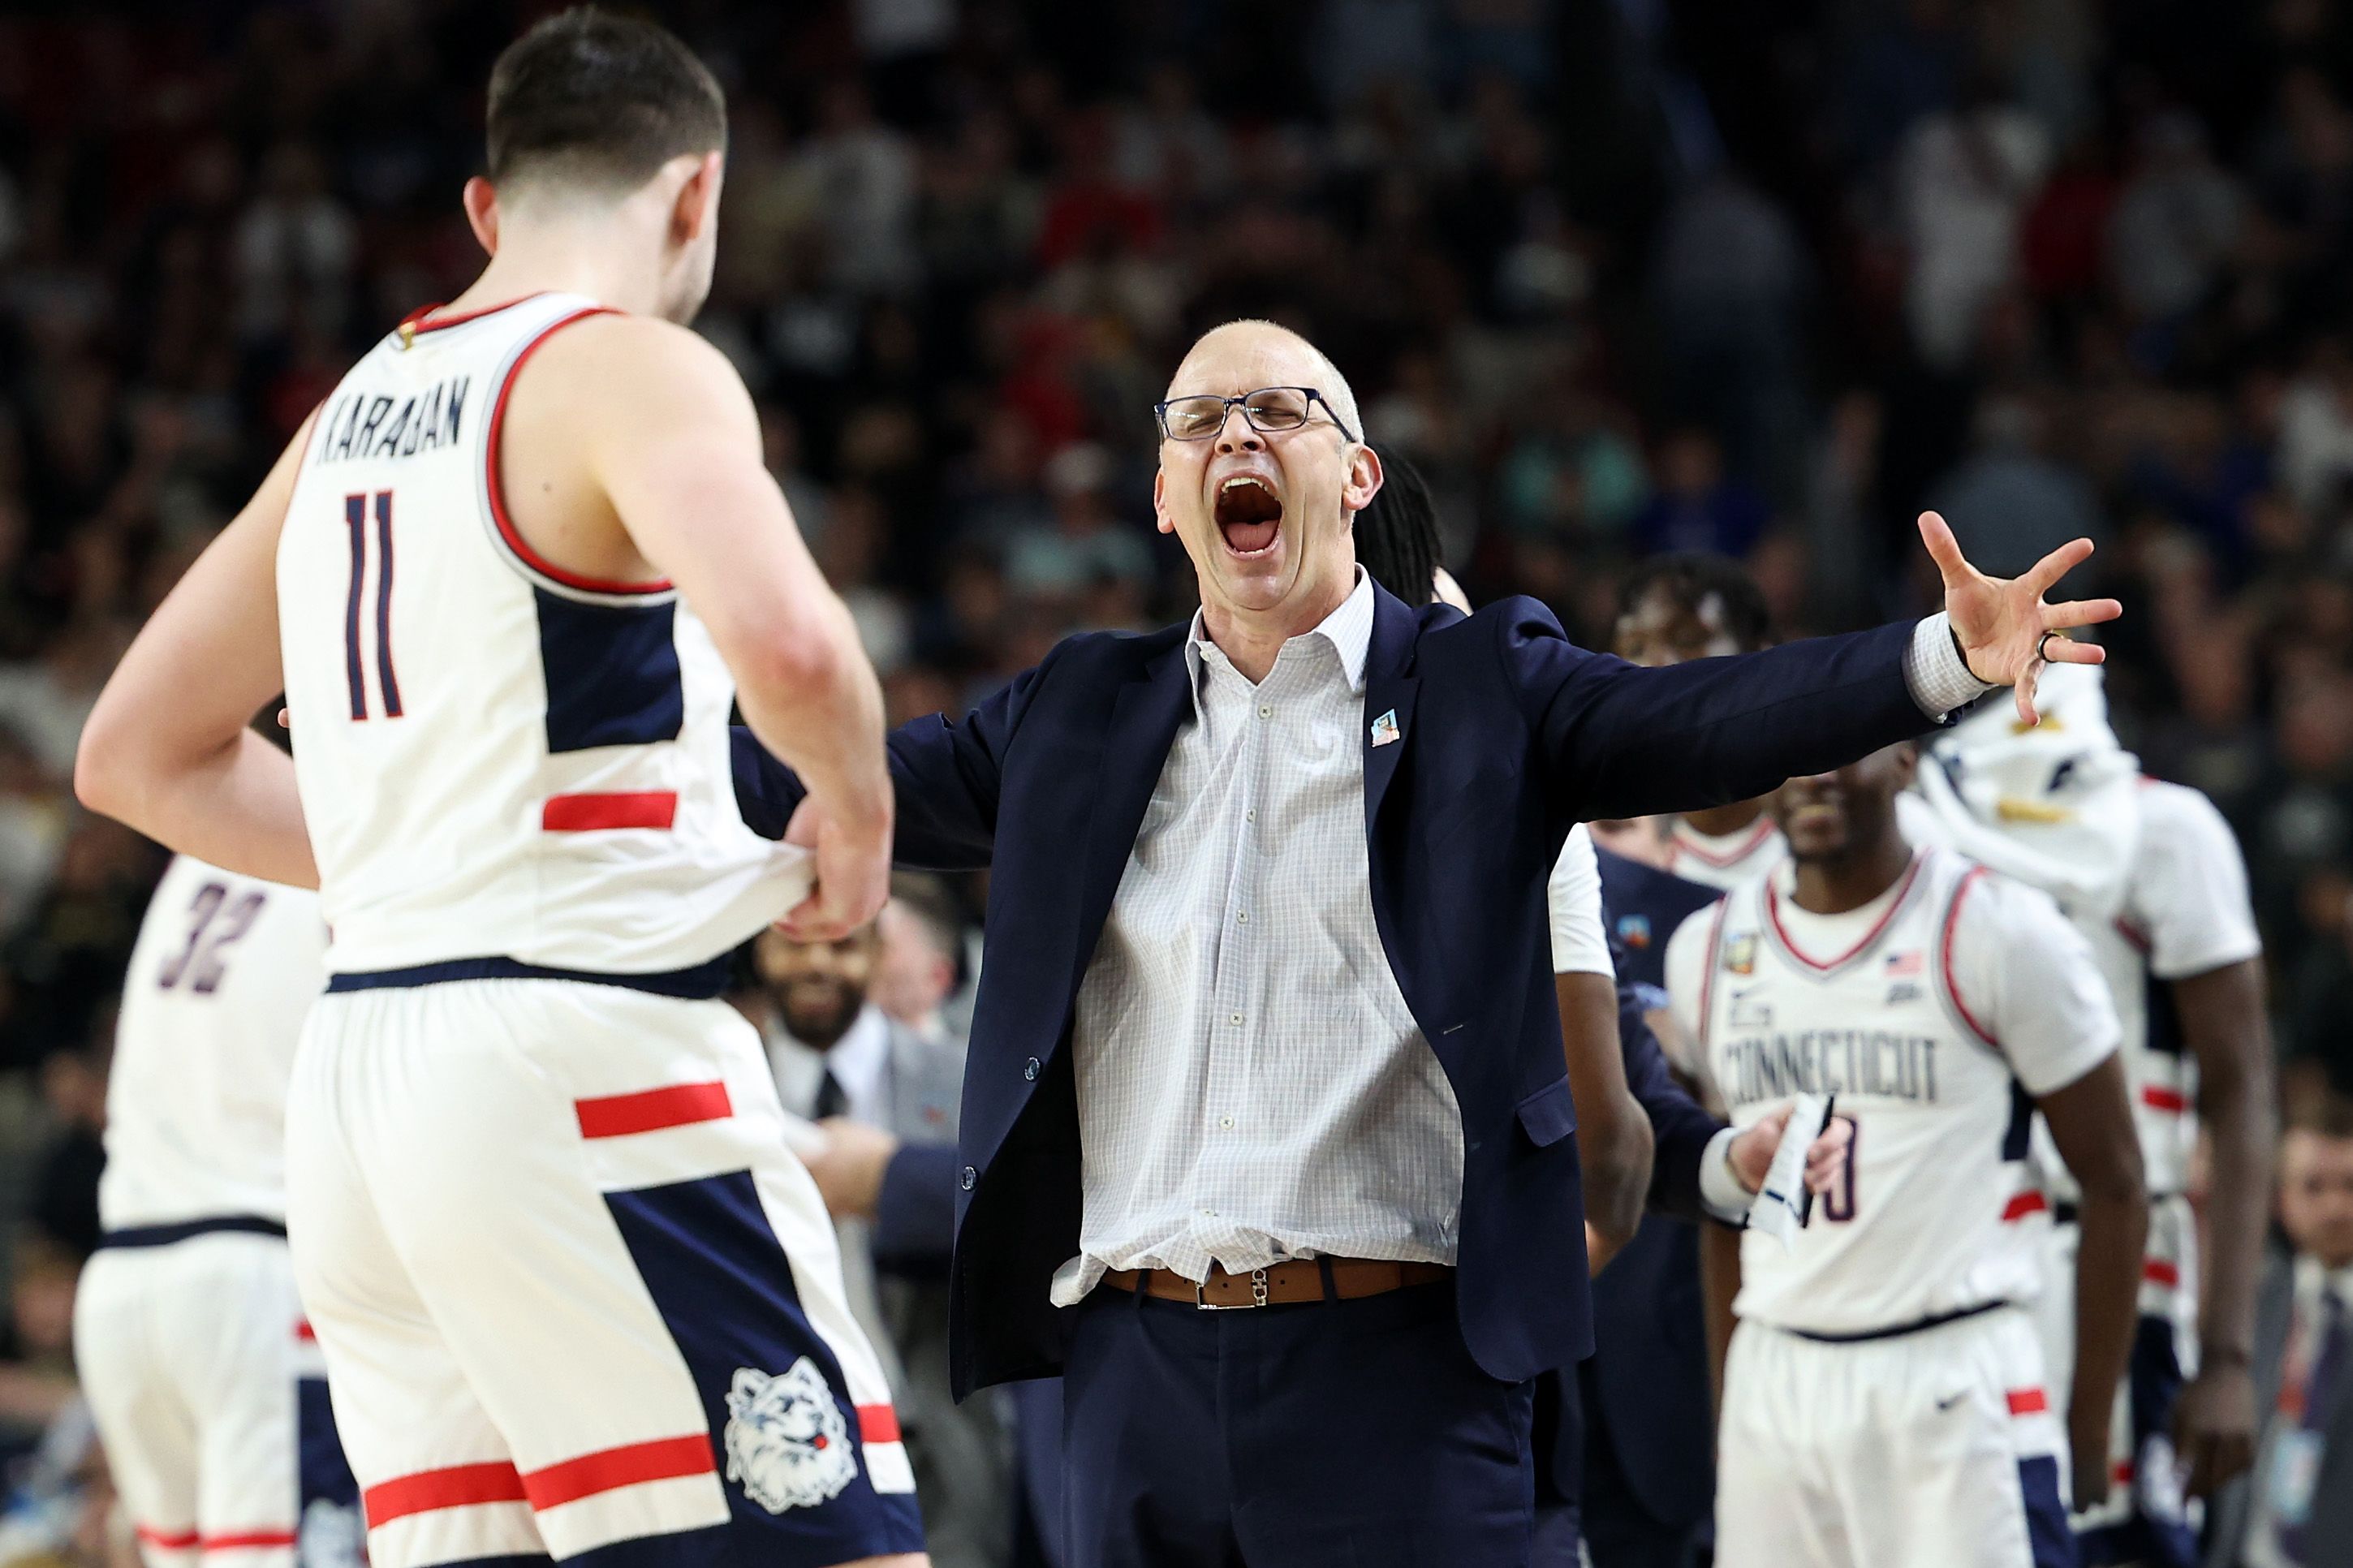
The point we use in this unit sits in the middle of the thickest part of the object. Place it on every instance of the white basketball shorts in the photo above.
(211, 1400)
(574, 1294)
(1933, 1449)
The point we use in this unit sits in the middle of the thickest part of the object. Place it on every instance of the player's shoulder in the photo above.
(1989, 907)
(2179, 822)
(629, 361)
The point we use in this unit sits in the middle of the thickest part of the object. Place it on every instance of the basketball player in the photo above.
(1884, 1400)
(2150, 875)
(575, 1295)
(188, 1336)
(1678, 608)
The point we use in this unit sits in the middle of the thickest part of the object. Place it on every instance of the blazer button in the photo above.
(971, 1178)
(1030, 1069)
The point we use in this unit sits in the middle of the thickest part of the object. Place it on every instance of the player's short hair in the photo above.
(2326, 1115)
(1397, 541)
(597, 100)
(1692, 577)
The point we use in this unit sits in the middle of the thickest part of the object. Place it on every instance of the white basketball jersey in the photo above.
(224, 971)
(1934, 1014)
(1726, 860)
(2186, 911)
(497, 759)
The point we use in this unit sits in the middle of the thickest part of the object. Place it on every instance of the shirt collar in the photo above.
(1349, 630)
(2312, 1278)
(857, 1059)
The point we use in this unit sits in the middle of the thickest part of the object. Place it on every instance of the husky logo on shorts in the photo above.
(785, 1438)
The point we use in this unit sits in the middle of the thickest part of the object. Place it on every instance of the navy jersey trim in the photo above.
(700, 984)
(611, 671)
(182, 1230)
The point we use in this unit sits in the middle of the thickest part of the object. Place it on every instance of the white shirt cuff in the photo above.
(1719, 1189)
(1934, 670)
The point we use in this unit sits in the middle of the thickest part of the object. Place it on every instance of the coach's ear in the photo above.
(1362, 479)
(482, 213)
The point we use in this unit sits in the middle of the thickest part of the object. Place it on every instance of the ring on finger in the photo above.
(2042, 642)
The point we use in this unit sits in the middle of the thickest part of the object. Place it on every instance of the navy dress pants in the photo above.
(1323, 1434)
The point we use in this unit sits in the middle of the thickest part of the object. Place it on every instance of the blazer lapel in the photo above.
(1389, 698)
(1145, 718)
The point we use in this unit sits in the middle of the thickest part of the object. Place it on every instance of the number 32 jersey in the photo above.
(499, 759)
(224, 973)
(1935, 1014)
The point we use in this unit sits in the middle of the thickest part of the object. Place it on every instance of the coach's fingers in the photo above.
(2079, 613)
(2023, 694)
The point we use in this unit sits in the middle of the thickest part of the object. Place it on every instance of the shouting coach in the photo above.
(1266, 1123)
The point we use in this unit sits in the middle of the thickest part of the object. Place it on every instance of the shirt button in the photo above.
(1251, 815)
(1242, 919)
(1029, 1068)
(1225, 1122)
(971, 1178)
(1234, 1019)
(1264, 711)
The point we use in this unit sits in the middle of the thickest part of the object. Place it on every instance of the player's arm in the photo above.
(167, 750)
(2091, 1121)
(1613, 1135)
(672, 440)
(2224, 1027)
(2021, 967)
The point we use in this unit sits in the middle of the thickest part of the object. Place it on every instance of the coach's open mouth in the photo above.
(1248, 514)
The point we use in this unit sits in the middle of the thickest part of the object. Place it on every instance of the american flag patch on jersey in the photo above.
(1905, 963)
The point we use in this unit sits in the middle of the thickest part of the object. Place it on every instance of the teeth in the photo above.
(1244, 479)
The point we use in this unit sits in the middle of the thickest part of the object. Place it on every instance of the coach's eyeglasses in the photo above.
(1270, 410)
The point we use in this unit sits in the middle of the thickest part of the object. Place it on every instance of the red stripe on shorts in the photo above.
(589, 812)
(250, 1540)
(168, 1539)
(304, 1332)
(651, 1110)
(630, 1465)
(2158, 1097)
(2158, 1271)
(877, 1424)
(2027, 1402)
(459, 1486)
(2024, 1204)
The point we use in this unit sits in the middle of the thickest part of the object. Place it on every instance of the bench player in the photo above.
(2150, 875)
(188, 1336)
(1883, 1399)
(574, 1296)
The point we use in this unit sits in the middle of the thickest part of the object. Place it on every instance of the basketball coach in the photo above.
(1266, 1124)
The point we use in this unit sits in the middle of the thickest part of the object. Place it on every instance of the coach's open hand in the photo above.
(1999, 621)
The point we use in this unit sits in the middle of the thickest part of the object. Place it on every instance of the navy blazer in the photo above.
(1508, 733)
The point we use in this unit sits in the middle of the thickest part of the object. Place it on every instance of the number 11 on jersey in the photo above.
(356, 510)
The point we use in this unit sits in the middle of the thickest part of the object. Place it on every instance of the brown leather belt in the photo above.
(1282, 1284)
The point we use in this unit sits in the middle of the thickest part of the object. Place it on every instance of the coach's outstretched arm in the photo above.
(673, 441)
(167, 749)
(1629, 742)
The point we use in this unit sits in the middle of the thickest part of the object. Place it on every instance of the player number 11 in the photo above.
(356, 519)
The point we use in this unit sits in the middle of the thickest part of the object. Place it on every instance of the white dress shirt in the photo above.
(1250, 1084)
(857, 1061)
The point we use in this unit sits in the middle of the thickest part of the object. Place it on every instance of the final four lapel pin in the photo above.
(1385, 730)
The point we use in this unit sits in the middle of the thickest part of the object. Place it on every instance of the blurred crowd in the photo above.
(1618, 276)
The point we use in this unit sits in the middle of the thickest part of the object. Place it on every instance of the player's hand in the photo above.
(1752, 1150)
(1999, 621)
(2214, 1426)
(853, 873)
(850, 1166)
(2087, 1447)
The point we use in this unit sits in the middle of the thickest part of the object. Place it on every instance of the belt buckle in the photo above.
(1258, 1295)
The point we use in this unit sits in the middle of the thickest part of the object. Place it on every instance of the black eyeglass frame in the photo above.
(1160, 413)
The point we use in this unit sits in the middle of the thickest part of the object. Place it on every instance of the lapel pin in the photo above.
(1385, 728)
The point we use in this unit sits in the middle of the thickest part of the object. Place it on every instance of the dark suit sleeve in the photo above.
(945, 773)
(1620, 741)
(1681, 1130)
(914, 1215)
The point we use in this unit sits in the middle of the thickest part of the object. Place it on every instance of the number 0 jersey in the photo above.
(221, 978)
(1933, 1012)
(499, 760)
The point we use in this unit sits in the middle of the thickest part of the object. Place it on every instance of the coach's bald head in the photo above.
(1265, 513)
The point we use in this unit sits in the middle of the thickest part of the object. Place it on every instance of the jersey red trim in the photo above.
(515, 540)
(2027, 1400)
(651, 1110)
(2158, 1271)
(2023, 1203)
(458, 1486)
(609, 1469)
(1757, 835)
(2156, 1096)
(1878, 927)
(590, 813)
(1944, 958)
(416, 323)
(1714, 956)
(190, 1541)
(877, 1424)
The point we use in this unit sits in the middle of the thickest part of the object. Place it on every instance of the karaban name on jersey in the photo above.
(1935, 1014)
(502, 764)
